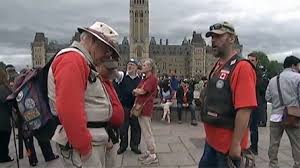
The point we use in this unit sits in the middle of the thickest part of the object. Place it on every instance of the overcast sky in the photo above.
(272, 26)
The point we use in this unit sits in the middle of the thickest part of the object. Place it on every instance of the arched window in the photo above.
(134, 1)
(139, 51)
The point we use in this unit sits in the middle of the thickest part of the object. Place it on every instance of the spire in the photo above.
(152, 41)
(125, 41)
(185, 41)
(197, 39)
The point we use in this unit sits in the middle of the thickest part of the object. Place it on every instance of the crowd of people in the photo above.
(93, 104)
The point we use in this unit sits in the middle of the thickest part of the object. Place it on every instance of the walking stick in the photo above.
(15, 142)
(20, 138)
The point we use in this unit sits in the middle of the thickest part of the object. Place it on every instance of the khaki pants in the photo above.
(276, 132)
(96, 160)
(147, 133)
(100, 158)
(111, 156)
(71, 158)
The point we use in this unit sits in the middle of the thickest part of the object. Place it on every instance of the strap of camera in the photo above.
(279, 91)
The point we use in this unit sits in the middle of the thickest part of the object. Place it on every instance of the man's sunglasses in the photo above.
(219, 26)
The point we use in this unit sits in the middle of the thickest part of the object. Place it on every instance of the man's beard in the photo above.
(97, 61)
(219, 52)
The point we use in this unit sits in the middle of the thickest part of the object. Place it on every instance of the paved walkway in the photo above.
(178, 146)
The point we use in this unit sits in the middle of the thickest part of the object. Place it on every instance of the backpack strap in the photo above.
(298, 94)
(279, 91)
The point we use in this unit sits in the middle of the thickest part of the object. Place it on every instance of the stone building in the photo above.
(38, 50)
(189, 59)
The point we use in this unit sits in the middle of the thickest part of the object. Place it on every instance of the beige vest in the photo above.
(97, 103)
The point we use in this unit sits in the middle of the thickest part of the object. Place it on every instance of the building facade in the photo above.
(191, 58)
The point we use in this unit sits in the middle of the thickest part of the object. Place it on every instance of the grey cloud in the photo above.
(19, 37)
(19, 61)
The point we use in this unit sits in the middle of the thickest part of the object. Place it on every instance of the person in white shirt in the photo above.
(289, 84)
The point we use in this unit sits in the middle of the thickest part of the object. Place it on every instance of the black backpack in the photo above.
(30, 99)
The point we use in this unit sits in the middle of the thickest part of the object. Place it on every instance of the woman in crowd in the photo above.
(166, 94)
(5, 113)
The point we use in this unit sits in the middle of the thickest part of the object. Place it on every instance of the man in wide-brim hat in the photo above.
(104, 39)
(79, 99)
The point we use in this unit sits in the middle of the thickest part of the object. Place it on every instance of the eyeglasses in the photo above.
(219, 26)
(109, 53)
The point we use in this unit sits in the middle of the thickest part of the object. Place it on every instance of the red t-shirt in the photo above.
(117, 117)
(242, 82)
(148, 84)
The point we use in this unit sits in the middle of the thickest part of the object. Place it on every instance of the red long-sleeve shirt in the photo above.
(117, 118)
(71, 72)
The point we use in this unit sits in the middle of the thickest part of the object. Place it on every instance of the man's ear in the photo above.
(232, 39)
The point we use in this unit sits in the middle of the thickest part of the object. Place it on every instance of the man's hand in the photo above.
(109, 145)
(241, 124)
(134, 92)
(87, 156)
(235, 151)
(138, 91)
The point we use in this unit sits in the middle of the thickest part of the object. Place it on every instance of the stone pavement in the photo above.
(178, 146)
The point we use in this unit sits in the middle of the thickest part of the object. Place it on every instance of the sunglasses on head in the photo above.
(219, 26)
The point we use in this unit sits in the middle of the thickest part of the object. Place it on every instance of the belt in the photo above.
(90, 124)
(96, 124)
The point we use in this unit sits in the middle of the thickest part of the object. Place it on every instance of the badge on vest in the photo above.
(220, 84)
(224, 74)
(233, 62)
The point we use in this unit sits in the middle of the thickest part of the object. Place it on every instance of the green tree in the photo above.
(2, 65)
(262, 58)
(274, 68)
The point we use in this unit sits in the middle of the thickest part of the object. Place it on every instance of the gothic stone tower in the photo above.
(38, 50)
(139, 28)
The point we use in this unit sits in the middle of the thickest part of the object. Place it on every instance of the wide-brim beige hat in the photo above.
(104, 33)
